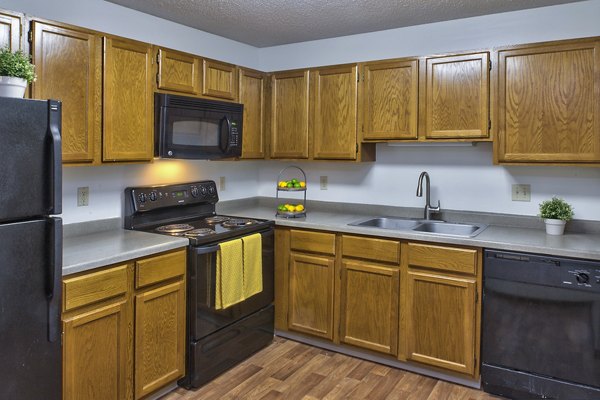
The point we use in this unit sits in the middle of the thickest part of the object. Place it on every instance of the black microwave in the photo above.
(199, 129)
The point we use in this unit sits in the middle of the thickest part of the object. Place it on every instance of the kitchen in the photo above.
(460, 175)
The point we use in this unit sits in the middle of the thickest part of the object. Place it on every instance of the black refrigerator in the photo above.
(30, 249)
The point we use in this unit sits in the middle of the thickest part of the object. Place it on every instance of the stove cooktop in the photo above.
(210, 229)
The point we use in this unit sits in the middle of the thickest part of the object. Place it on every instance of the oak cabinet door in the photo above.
(439, 326)
(252, 96)
(159, 337)
(369, 306)
(457, 97)
(219, 80)
(390, 100)
(128, 101)
(95, 354)
(66, 65)
(549, 103)
(178, 71)
(334, 108)
(10, 31)
(311, 294)
(289, 114)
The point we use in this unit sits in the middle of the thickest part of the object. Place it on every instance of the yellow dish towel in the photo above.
(230, 274)
(253, 280)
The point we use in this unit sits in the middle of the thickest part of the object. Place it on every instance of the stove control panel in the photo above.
(153, 197)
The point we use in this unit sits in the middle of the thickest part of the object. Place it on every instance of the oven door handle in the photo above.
(206, 250)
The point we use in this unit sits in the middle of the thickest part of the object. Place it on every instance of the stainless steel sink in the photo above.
(394, 223)
(422, 226)
(448, 228)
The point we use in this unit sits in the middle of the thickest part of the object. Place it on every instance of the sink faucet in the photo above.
(428, 208)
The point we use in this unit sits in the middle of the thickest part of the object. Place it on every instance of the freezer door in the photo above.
(31, 160)
(30, 276)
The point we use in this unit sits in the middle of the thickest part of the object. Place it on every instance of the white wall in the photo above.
(112, 18)
(463, 178)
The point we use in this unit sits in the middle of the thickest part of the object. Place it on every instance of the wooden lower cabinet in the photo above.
(369, 306)
(311, 294)
(439, 327)
(107, 352)
(159, 337)
(95, 353)
(415, 302)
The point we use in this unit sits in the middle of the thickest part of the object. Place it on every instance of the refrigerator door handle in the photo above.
(55, 182)
(54, 277)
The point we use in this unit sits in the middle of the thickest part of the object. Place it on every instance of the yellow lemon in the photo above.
(302, 184)
(299, 208)
(290, 208)
(282, 184)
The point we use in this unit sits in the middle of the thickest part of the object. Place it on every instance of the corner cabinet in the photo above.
(253, 89)
(390, 99)
(457, 97)
(124, 328)
(10, 30)
(128, 101)
(549, 103)
(334, 110)
(289, 114)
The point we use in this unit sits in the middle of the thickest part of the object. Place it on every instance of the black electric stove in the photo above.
(185, 210)
(217, 338)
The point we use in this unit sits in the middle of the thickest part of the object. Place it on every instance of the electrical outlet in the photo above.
(521, 192)
(222, 184)
(324, 183)
(83, 196)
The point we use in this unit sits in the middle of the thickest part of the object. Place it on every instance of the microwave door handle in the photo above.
(224, 138)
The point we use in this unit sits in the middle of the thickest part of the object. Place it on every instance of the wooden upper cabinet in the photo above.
(549, 103)
(68, 68)
(178, 71)
(252, 96)
(390, 100)
(334, 110)
(219, 80)
(128, 101)
(10, 30)
(457, 97)
(289, 114)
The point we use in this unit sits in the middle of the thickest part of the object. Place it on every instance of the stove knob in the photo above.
(203, 190)
(195, 192)
(142, 197)
(211, 190)
(153, 196)
(582, 277)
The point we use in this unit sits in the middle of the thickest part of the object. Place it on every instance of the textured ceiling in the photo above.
(264, 23)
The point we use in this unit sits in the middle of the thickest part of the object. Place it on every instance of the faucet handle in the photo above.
(437, 209)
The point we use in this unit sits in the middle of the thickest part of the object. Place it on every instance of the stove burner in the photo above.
(174, 228)
(217, 219)
(237, 222)
(200, 232)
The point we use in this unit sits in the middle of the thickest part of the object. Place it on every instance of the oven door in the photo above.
(197, 134)
(203, 317)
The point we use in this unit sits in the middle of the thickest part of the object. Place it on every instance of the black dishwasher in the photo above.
(541, 327)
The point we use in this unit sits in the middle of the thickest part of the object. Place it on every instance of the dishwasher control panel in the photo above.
(583, 277)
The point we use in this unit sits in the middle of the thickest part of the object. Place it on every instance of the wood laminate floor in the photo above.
(290, 370)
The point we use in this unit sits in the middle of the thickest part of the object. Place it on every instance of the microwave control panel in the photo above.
(234, 140)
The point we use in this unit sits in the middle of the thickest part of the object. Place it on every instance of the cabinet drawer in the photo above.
(442, 258)
(316, 242)
(371, 249)
(160, 268)
(95, 286)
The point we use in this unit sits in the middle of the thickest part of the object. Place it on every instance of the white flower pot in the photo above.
(555, 226)
(12, 87)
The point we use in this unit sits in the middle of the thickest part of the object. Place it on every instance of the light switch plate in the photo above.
(83, 196)
(221, 183)
(521, 192)
(323, 183)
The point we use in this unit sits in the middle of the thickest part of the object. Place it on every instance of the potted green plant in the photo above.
(16, 72)
(556, 212)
